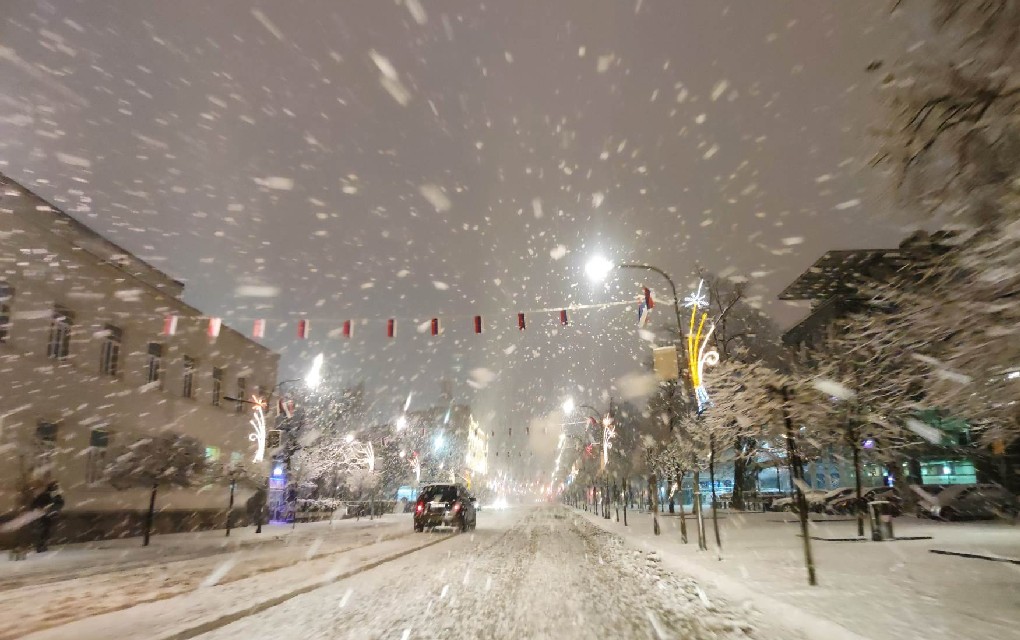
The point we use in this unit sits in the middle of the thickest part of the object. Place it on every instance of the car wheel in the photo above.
(419, 528)
(948, 515)
(787, 508)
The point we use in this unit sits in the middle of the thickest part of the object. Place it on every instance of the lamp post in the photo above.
(598, 268)
(259, 434)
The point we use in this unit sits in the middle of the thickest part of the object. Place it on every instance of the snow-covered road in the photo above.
(541, 572)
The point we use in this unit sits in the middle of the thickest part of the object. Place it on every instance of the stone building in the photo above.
(103, 395)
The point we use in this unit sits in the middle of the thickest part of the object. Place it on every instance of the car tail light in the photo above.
(419, 507)
(456, 507)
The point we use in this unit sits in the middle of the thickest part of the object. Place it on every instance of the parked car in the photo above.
(968, 501)
(845, 504)
(819, 504)
(790, 503)
(445, 505)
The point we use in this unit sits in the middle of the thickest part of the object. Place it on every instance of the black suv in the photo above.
(445, 505)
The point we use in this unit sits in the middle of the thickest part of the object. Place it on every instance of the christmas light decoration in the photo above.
(258, 425)
(697, 341)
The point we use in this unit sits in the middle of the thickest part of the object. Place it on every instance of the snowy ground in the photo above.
(527, 572)
(875, 589)
(539, 572)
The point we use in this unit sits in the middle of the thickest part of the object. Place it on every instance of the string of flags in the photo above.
(433, 326)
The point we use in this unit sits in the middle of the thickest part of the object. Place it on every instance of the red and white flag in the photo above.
(214, 327)
(348, 328)
(302, 329)
(169, 325)
(258, 330)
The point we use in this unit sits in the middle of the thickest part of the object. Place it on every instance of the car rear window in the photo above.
(442, 493)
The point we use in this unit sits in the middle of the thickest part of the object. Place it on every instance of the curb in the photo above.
(975, 556)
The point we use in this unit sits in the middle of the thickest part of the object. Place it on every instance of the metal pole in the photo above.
(711, 475)
(626, 499)
(680, 334)
(230, 506)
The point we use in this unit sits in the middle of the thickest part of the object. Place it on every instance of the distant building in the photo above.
(93, 372)
(839, 283)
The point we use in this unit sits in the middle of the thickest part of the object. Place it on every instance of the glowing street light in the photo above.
(349, 437)
(401, 423)
(314, 376)
(598, 268)
(568, 406)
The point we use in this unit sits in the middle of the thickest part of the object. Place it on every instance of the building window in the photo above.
(242, 391)
(59, 345)
(188, 388)
(154, 368)
(212, 454)
(6, 295)
(109, 354)
(217, 385)
(95, 460)
(45, 443)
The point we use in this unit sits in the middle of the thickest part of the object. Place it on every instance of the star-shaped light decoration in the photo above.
(697, 299)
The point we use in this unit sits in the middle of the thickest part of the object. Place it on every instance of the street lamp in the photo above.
(598, 269)
(568, 406)
(401, 423)
(314, 376)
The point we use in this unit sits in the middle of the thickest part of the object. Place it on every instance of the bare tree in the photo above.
(164, 460)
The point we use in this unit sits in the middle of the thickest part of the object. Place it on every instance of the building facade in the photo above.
(96, 377)
(838, 285)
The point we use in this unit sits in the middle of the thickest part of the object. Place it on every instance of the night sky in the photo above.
(416, 159)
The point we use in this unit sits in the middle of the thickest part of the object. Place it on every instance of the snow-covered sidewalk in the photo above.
(897, 589)
(84, 581)
(104, 555)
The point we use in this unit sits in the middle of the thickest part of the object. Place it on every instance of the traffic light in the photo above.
(273, 439)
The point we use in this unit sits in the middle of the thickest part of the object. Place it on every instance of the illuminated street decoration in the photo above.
(258, 424)
(697, 341)
(608, 433)
(415, 463)
(477, 456)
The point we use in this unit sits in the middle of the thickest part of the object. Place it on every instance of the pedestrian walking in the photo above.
(48, 505)
(256, 506)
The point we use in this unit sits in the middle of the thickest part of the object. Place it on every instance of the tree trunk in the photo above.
(739, 474)
(653, 488)
(150, 516)
(797, 473)
(852, 440)
(683, 515)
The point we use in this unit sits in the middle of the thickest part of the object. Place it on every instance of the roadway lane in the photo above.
(530, 572)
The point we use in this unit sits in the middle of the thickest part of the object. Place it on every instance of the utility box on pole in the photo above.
(667, 366)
